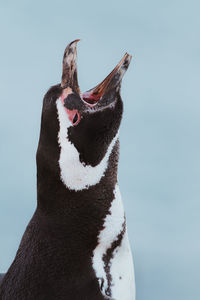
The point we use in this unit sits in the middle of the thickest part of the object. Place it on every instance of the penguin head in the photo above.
(94, 115)
(86, 124)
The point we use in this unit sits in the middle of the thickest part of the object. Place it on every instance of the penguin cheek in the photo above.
(74, 116)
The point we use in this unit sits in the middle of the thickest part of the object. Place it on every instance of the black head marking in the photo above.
(73, 101)
(96, 130)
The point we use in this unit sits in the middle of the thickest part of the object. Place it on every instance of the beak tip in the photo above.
(73, 43)
(71, 47)
(126, 61)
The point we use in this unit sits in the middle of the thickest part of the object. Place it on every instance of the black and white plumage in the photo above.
(76, 245)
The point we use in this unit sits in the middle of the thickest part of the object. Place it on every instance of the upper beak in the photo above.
(69, 75)
(111, 82)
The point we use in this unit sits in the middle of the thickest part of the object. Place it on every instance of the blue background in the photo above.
(160, 134)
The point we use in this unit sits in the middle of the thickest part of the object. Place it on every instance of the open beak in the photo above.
(111, 82)
(70, 81)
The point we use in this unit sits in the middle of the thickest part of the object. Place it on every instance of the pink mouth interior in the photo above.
(91, 98)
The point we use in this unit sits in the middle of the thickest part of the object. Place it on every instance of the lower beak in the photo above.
(111, 83)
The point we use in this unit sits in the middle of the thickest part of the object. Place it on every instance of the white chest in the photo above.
(112, 259)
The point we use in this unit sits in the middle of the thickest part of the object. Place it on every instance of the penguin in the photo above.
(76, 245)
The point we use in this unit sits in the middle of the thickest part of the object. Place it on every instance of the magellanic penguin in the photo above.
(76, 245)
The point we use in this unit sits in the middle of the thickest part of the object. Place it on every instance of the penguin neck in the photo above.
(55, 197)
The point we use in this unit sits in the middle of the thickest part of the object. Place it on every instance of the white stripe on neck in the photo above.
(74, 174)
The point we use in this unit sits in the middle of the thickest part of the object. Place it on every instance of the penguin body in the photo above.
(76, 245)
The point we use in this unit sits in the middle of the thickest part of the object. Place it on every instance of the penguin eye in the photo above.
(76, 119)
(73, 115)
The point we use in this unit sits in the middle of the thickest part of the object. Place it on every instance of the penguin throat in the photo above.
(74, 174)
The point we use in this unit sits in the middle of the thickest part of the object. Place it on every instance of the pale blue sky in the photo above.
(160, 134)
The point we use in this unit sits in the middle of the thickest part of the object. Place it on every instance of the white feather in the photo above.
(74, 174)
(121, 265)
